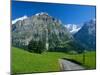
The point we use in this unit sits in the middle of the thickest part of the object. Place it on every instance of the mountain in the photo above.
(86, 36)
(40, 27)
(21, 18)
(73, 28)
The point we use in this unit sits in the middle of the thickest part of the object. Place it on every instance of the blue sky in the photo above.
(67, 13)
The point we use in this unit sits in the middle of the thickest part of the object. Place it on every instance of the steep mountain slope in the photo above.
(40, 27)
(86, 36)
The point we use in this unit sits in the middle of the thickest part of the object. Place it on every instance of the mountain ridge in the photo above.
(87, 35)
(39, 27)
(54, 36)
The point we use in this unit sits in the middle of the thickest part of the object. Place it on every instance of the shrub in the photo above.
(36, 46)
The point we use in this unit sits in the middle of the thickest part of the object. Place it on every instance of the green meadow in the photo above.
(26, 62)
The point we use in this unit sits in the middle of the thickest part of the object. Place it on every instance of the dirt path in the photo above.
(68, 65)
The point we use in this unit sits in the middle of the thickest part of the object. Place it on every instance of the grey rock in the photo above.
(39, 27)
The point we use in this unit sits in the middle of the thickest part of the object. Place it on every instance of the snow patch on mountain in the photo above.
(42, 13)
(21, 18)
(73, 28)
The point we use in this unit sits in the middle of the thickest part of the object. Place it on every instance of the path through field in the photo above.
(68, 65)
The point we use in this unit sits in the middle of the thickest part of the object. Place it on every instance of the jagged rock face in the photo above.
(40, 27)
(87, 35)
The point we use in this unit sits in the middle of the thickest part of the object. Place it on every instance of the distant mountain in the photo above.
(86, 36)
(73, 28)
(40, 27)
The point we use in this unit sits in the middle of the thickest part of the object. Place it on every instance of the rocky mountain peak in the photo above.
(40, 27)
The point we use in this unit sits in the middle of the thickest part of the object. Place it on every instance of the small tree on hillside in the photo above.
(36, 46)
(32, 46)
(40, 47)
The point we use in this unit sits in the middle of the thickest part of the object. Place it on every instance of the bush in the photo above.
(36, 46)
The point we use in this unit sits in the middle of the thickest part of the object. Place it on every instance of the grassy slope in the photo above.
(90, 59)
(23, 61)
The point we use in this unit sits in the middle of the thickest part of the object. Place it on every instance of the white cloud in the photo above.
(21, 18)
(73, 28)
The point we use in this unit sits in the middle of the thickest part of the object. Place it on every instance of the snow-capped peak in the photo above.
(42, 13)
(73, 28)
(21, 18)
